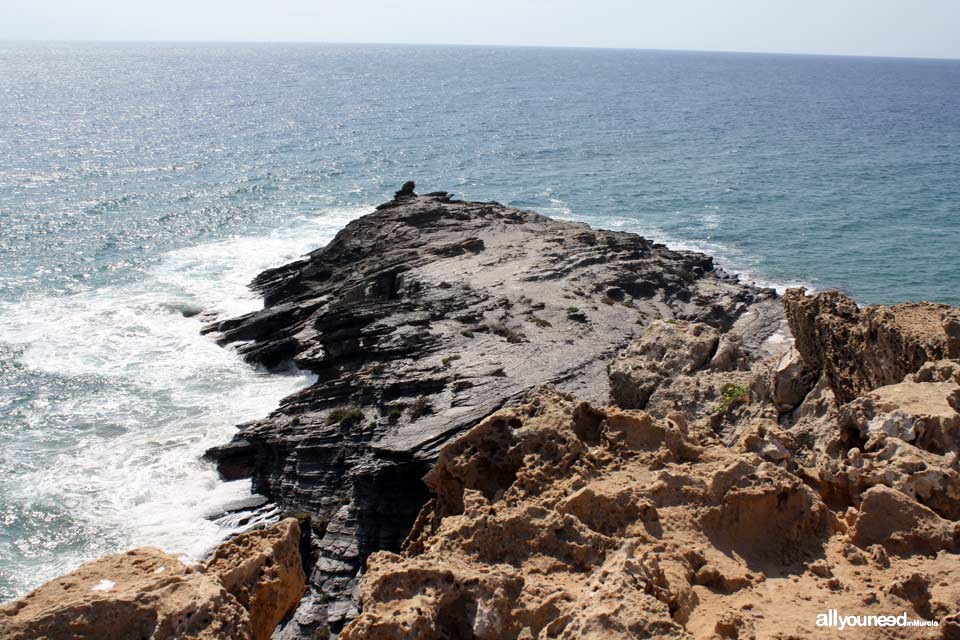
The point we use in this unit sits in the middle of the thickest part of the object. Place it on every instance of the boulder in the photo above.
(667, 348)
(791, 381)
(406, 190)
(251, 583)
(922, 413)
(903, 526)
(144, 593)
(263, 570)
(932, 480)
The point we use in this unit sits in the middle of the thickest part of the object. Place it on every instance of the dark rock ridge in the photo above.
(420, 320)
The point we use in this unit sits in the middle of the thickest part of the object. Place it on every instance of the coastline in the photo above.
(404, 318)
(462, 263)
(180, 284)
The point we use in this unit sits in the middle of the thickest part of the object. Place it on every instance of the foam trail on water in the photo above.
(116, 395)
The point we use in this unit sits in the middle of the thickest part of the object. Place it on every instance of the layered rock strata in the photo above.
(526, 428)
(421, 319)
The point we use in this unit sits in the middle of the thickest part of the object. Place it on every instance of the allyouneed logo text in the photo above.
(835, 619)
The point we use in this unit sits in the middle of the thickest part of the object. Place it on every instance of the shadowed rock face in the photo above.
(862, 348)
(423, 318)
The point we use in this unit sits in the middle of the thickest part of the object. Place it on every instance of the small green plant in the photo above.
(574, 314)
(345, 416)
(394, 414)
(446, 361)
(420, 408)
(467, 333)
(540, 322)
(731, 394)
(502, 330)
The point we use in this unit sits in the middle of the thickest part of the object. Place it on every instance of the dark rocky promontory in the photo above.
(421, 319)
(526, 428)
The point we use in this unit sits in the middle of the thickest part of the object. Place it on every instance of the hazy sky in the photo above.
(927, 28)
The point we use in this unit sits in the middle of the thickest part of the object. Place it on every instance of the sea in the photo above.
(143, 186)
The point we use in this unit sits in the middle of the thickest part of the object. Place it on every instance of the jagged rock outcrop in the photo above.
(420, 320)
(741, 503)
(251, 583)
(559, 519)
(263, 570)
(898, 425)
(862, 348)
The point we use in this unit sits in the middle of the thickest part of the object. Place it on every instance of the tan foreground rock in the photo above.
(263, 571)
(249, 585)
(558, 519)
(756, 491)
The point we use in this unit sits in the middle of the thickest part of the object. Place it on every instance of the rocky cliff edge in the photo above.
(420, 320)
(737, 496)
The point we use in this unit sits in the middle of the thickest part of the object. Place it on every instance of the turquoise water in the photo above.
(141, 181)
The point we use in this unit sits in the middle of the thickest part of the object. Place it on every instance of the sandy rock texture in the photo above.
(862, 348)
(737, 497)
(420, 320)
(248, 586)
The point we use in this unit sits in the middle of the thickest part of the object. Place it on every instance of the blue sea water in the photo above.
(139, 181)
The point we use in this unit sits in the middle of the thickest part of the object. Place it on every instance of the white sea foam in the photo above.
(123, 454)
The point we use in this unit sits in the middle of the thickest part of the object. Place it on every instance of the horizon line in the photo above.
(477, 45)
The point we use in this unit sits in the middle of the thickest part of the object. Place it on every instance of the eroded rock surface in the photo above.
(251, 583)
(558, 519)
(420, 320)
(263, 570)
(862, 348)
(743, 501)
